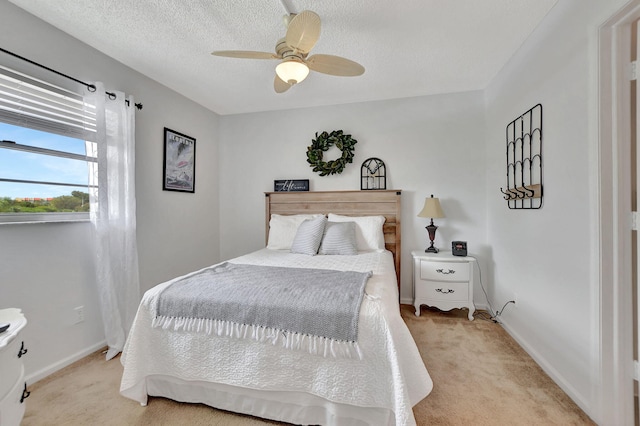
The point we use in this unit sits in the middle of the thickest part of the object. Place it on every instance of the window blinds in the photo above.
(29, 102)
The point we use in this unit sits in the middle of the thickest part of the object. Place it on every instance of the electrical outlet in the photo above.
(79, 314)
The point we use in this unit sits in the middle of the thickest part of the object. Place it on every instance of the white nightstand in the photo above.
(443, 280)
(13, 389)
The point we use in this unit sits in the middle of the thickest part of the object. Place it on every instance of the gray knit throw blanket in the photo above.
(315, 310)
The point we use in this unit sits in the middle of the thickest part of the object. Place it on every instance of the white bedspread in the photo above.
(390, 377)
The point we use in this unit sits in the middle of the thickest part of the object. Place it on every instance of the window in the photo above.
(47, 151)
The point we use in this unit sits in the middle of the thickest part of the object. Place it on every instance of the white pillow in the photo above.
(283, 228)
(339, 239)
(308, 237)
(369, 233)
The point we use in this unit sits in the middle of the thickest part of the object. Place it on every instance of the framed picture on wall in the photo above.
(179, 170)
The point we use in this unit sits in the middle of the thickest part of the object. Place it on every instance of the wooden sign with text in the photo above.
(291, 185)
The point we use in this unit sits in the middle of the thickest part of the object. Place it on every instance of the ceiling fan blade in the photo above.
(303, 31)
(280, 86)
(245, 54)
(334, 65)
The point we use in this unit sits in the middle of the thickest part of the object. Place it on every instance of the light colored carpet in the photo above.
(481, 377)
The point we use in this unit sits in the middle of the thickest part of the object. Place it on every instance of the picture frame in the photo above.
(291, 185)
(179, 168)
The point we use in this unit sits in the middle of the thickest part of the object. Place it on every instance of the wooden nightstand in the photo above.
(443, 280)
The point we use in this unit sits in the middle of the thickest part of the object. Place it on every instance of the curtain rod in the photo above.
(91, 87)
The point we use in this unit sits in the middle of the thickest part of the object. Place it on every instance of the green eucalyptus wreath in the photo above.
(322, 143)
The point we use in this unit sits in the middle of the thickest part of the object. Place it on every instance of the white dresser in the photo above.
(443, 280)
(13, 388)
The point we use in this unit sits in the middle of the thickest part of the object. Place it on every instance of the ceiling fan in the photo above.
(303, 31)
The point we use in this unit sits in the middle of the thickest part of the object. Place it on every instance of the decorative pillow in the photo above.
(309, 236)
(283, 228)
(369, 233)
(339, 238)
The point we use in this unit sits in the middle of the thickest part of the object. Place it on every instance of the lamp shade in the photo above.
(292, 71)
(431, 208)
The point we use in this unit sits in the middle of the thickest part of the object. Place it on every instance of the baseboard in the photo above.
(481, 307)
(47, 371)
(406, 301)
(558, 378)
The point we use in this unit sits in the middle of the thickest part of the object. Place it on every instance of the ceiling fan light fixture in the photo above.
(303, 31)
(292, 71)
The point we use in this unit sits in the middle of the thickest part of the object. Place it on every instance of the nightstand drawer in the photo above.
(451, 291)
(10, 366)
(444, 271)
(12, 406)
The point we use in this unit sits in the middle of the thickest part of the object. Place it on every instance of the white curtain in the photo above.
(113, 214)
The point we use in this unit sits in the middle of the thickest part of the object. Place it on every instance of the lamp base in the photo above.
(431, 228)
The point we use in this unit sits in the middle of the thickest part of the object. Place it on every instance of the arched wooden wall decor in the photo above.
(373, 174)
(524, 161)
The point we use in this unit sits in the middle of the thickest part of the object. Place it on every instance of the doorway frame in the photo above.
(616, 367)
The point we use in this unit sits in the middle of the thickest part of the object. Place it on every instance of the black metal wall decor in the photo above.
(524, 161)
(373, 174)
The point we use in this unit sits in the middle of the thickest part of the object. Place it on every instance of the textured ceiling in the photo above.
(408, 48)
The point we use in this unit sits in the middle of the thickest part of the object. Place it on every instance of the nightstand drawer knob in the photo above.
(447, 291)
(22, 350)
(442, 271)
(25, 394)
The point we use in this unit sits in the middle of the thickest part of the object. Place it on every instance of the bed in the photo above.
(377, 386)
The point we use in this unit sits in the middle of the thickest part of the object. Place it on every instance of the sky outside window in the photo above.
(29, 166)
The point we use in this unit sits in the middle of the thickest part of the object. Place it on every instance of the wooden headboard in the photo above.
(348, 203)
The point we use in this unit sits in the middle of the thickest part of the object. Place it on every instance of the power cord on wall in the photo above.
(498, 313)
(494, 317)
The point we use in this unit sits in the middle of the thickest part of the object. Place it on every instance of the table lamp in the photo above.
(431, 210)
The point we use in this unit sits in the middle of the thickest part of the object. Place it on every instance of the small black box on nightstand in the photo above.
(459, 248)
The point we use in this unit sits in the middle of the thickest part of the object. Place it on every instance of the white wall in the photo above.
(547, 257)
(47, 269)
(430, 145)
